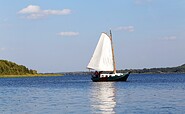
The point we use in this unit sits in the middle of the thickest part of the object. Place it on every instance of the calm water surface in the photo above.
(77, 94)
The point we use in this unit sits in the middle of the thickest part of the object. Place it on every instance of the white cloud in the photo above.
(68, 33)
(30, 9)
(169, 38)
(35, 16)
(57, 12)
(125, 28)
(35, 12)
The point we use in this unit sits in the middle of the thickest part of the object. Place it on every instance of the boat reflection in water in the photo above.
(103, 97)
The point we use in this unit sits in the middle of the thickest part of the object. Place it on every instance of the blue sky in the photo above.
(61, 35)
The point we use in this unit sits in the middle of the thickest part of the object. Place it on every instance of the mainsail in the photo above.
(102, 59)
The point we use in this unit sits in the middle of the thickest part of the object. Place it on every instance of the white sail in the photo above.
(102, 59)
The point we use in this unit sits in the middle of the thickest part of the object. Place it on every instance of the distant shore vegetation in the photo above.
(11, 69)
(167, 70)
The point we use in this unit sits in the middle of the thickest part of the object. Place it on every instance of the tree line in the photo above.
(11, 68)
(178, 69)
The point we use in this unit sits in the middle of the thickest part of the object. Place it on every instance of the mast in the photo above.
(114, 62)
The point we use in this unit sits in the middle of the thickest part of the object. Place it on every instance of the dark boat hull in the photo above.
(111, 79)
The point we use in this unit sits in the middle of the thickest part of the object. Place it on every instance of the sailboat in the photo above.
(103, 61)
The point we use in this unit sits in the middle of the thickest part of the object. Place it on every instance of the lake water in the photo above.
(164, 93)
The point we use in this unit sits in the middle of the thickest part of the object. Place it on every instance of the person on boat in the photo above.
(96, 74)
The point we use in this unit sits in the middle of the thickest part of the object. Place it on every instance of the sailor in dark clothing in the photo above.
(96, 74)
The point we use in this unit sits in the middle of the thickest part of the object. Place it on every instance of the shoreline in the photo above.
(71, 73)
(30, 75)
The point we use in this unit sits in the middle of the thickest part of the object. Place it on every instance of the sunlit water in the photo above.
(78, 94)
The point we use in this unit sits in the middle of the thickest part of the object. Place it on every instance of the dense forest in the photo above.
(10, 68)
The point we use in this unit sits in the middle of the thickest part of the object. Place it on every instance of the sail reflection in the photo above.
(103, 98)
